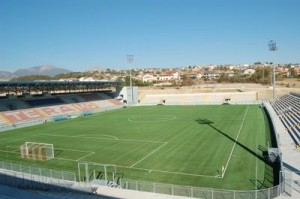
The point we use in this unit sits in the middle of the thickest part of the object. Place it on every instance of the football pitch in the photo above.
(219, 146)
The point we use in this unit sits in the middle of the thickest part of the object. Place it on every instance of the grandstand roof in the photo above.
(21, 87)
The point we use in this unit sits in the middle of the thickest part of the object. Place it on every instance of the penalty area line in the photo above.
(85, 156)
(148, 155)
(97, 135)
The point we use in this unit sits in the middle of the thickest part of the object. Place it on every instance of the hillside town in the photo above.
(258, 73)
(184, 76)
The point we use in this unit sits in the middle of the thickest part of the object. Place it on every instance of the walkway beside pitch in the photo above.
(130, 194)
(291, 162)
(290, 156)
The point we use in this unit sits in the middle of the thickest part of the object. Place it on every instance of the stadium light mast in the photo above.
(129, 62)
(273, 48)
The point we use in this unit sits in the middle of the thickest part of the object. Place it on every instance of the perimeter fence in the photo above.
(199, 192)
(37, 171)
(291, 185)
(29, 177)
(25, 176)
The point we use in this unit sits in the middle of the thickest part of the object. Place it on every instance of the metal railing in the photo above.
(37, 171)
(29, 177)
(199, 192)
(19, 175)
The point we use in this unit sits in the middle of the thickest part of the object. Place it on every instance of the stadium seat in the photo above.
(287, 108)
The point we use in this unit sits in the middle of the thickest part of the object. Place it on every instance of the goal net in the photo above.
(37, 151)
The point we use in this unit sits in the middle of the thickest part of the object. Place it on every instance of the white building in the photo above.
(249, 72)
(148, 78)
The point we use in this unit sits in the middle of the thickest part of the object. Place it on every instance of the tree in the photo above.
(292, 72)
(222, 78)
(136, 82)
(187, 81)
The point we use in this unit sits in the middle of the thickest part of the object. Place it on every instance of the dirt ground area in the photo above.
(265, 92)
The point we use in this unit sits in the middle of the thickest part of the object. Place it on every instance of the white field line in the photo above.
(19, 139)
(15, 147)
(151, 170)
(90, 153)
(54, 149)
(149, 154)
(16, 152)
(85, 156)
(66, 159)
(237, 137)
(73, 150)
(146, 141)
(122, 140)
(88, 135)
(170, 172)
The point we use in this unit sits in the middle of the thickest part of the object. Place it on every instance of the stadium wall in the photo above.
(201, 98)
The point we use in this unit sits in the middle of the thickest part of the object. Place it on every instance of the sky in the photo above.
(82, 34)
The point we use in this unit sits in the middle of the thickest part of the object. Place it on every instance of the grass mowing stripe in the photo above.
(194, 150)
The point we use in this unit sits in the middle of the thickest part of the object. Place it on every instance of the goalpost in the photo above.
(37, 151)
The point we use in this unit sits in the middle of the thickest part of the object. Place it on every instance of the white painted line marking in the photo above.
(149, 154)
(121, 140)
(237, 137)
(85, 156)
(89, 135)
(170, 172)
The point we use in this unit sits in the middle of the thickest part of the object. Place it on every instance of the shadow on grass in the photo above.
(209, 123)
(268, 177)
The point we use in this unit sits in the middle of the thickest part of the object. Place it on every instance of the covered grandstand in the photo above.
(19, 88)
(24, 102)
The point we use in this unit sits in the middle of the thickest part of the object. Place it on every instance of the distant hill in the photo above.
(40, 70)
(5, 76)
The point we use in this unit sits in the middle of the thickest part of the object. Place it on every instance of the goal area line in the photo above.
(170, 172)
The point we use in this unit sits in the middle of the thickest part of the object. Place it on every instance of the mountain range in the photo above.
(37, 70)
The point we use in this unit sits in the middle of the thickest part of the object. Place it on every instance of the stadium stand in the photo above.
(90, 97)
(71, 98)
(44, 102)
(12, 104)
(20, 110)
(287, 108)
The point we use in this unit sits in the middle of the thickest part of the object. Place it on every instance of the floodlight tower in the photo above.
(129, 61)
(273, 48)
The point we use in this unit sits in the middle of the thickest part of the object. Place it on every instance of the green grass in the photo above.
(185, 145)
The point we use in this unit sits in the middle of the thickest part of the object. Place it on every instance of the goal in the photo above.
(37, 151)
